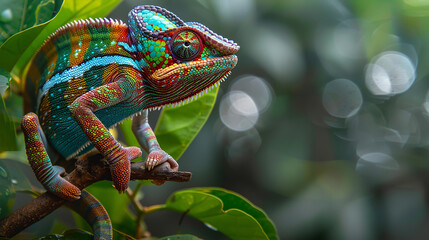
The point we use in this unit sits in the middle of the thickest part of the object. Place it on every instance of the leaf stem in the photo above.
(23, 15)
(137, 189)
(154, 208)
(141, 226)
(132, 196)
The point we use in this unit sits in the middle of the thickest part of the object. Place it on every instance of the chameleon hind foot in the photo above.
(48, 175)
(120, 166)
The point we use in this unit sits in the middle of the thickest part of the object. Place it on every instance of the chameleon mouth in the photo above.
(196, 95)
(226, 62)
(189, 99)
(193, 97)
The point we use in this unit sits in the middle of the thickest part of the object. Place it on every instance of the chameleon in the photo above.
(92, 74)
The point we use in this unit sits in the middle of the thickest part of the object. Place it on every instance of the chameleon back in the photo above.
(75, 59)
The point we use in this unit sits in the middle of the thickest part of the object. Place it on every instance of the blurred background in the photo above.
(323, 123)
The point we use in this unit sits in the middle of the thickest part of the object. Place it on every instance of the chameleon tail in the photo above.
(95, 214)
(48, 175)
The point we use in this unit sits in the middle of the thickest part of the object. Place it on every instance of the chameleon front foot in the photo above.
(120, 167)
(61, 187)
(158, 157)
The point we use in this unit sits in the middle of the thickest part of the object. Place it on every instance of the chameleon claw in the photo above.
(152, 162)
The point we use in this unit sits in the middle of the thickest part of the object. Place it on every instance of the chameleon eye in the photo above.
(186, 45)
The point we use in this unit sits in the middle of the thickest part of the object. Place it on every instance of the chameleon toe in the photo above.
(133, 152)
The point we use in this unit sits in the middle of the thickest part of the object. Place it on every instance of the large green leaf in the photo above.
(177, 127)
(225, 211)
(17, 51)
(17, 15)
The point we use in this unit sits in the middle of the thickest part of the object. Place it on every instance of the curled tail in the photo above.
(95, 214)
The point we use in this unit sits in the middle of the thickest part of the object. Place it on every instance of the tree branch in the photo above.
(88, 171)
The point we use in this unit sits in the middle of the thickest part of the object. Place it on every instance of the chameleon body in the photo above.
(92, 74)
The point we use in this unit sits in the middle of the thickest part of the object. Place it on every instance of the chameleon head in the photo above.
(179, 60)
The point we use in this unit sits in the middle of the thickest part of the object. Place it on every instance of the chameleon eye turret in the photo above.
(92, 74)
(186, 45)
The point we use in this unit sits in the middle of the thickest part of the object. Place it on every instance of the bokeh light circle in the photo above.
(390, 73)
(342, 98)
(238, 111)
(257, 88)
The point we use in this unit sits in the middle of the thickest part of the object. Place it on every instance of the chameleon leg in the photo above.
(147, 140)
(48, 175)
(83, 109)
(95, 214)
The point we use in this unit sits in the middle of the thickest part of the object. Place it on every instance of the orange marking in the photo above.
(79, 41)
(76, 87)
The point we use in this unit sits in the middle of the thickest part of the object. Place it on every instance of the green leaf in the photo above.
(7, 137)
(180, 237)
(177, 127)
(225, 211)
(233, 200)
(4, 81)
(18, 15)
(18, 50)
(7, 191)
(17, 176)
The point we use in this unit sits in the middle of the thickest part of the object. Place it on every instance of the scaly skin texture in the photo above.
(95, 214)
(92, 74)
